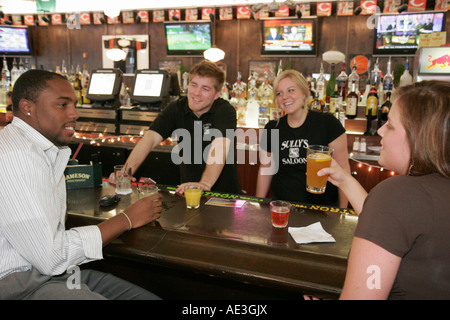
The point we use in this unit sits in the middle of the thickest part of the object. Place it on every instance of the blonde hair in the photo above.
(425, 114)
(297, 78)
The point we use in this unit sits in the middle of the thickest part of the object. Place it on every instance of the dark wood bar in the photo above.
(218, 252)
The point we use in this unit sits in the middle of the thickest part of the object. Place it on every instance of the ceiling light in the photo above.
(333, 56)
(112, 12)
(116, 54)
(214, 54)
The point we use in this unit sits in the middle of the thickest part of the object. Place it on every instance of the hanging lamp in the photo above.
(213, 54)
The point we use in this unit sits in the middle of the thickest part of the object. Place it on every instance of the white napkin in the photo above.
(311, 233)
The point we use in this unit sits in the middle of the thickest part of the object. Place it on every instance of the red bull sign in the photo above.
(435, 60)
(441, 62)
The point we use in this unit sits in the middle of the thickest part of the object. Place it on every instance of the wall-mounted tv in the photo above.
(399, 33)
(188, 38)
(289, 37)
(15, 41)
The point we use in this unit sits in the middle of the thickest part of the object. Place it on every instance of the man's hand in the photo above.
(203, 186)
(144, 210)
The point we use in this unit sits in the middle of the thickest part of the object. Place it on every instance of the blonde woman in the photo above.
(298, 129)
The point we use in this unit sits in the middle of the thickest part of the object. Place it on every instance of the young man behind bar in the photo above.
(198, 115)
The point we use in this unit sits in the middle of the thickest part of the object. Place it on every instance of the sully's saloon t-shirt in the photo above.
(289, 183)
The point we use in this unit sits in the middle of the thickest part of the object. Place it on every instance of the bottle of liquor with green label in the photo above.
(334, 100)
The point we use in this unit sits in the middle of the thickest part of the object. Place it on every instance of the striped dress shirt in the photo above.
(33, 207)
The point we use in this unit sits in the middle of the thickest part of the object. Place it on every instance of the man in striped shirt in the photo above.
(35, 248)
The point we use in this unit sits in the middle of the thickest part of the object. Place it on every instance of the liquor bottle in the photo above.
(330, 85)
(78, 88)
(252, 88)
(340, 114)
(225, 92)
(386, 107)
(334, 100)
(242, 110)
(280, 67)
(375, 75)
(266, 106)
(184, 86)
(253, 106)
(234, 101)
(384, 110)
(388, 80)
(316, 105)
(6, 76)
(406, 77)
(239, 86)
(321, 84)
(14, 72)
(85, 84)
(252, 116)
(353, 77)
(22, 68)
(380, 91)
(64, 69)
(372, 102)
(352, 103)
(342, 83)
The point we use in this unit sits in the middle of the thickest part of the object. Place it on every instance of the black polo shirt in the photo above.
(194, 136)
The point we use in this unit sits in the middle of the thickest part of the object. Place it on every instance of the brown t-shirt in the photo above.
(410, 217)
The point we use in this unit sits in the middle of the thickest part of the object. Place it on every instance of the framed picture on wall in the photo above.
(136, 48)
(171, 66)
(259, 67)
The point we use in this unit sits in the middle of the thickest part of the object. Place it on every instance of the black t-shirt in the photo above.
(194, 136)
(289, 183)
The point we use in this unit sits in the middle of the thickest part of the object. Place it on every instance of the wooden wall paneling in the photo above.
(88, 40)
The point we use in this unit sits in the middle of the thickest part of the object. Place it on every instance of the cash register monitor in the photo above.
(151, 87)
(104, 86)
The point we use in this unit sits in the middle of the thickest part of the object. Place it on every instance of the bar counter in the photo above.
(221, 252)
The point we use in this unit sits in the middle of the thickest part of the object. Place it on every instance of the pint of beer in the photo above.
(318, 157)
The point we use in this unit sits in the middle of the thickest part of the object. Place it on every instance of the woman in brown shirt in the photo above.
(402, 242)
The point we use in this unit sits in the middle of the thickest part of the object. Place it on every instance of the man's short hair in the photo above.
(211, 70)
(30, 85)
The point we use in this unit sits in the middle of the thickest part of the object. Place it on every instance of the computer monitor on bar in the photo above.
(151, 88)
(104, 87)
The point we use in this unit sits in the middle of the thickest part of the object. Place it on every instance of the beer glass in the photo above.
(318, 157)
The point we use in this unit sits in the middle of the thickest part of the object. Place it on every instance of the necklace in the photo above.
(295, 123)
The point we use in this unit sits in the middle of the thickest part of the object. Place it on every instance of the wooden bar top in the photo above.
(238, 244)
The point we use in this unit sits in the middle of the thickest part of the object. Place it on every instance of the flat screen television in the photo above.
(15, 41)
(104, 86)
(151, 87)
(289, 37)
(398, 34)
(188, 38)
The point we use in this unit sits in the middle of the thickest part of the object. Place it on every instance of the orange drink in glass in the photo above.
(192, 194)
(318, 157)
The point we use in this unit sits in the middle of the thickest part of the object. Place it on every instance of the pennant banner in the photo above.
(417, 5)
(324, 9)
